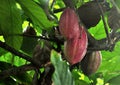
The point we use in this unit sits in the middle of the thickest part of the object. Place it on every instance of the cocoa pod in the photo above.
(69, 24)
(91, 62)
(90, 13)
(41, 54)
(37, 53)
(75, 49)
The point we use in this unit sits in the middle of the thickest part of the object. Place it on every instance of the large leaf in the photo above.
(10, 58)
(36, 14)
(115, 80)
(79, 78)
(10, 23)
(110, 66)
(62, 74)
(98, 31)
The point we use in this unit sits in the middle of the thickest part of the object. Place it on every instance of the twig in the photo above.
(101, 44)
(55, 39)
(52, 4)
(16, 52)
(38, 37)
(16, 70)
(104, 22)
(58, 10)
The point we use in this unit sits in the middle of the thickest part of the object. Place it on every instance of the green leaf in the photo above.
(36, 14)
(10, 23)
(79, 78)
(62, 74)
(114, 80)
(110, 66)
(98, 31)
(59, 4)
(81, 82)
(10, 58)
(117, 3)
(2, 51)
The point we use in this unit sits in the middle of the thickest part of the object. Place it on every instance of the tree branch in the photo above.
(16, 70)
(103, 45)
(105, 24)
(58, 10)
(54, 39)
(20, 54)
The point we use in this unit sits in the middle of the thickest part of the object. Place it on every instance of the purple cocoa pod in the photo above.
(91, 62)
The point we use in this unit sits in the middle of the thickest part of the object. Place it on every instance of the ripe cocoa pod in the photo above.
(91, 62)
(75, 49)
(69, 24)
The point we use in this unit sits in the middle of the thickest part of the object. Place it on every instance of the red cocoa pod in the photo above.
(69, 24)
(91, 62)
(75, 49)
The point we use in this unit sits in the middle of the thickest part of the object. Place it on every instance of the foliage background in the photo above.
(13, 20)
